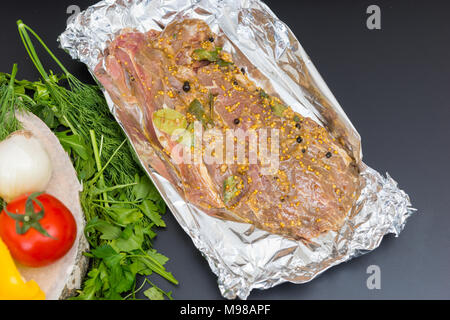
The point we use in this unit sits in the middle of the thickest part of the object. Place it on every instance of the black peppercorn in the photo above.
(299, 139)
(328, 155)
(243, 70)
(211, 39)
(235, 83)
(186, 86)
(236, 121)
(298, 126)
(303, 150)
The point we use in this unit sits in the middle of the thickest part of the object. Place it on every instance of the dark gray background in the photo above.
(394, 86)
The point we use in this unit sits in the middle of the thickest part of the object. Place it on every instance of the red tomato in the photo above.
(33, 248)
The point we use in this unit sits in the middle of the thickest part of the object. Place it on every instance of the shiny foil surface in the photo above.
(243, 257)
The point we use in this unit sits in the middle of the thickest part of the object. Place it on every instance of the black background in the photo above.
(394, 86)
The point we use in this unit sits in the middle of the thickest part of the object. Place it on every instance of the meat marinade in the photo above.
(163, 81)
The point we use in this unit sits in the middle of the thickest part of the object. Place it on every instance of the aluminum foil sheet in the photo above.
(243, 257)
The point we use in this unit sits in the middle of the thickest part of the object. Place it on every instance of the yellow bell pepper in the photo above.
(12, 285)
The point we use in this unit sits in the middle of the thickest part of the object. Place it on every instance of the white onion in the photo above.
(25, 166)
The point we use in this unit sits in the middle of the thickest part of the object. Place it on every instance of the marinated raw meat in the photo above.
(165, 83)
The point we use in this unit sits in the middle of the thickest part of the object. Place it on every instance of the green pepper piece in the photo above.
(278, 108)
(203, 54)
(196, 109)
(230, 188)
(223, 63)
(263, 94)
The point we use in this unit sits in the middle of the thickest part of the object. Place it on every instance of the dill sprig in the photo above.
(8, 103)
(82, 108)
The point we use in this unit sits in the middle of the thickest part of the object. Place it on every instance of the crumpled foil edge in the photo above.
(243, 257)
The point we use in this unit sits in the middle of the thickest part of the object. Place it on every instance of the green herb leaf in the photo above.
(162, 259)
(130, 240)
(106, 252)
(92, 285)
(46, 114)
(138, 267)
(108, 231)
(85, 168)
(152, 212)
(144, 188)
(148, 231)
(73, 142)
(19, 89)
(125, 216)
(121, 278)
(154, 294)
(3, 79)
